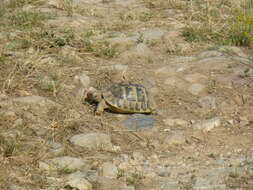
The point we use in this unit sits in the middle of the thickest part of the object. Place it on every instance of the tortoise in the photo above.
(122, 98)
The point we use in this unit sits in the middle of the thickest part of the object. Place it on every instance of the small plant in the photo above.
(28, 19)
(8, 147)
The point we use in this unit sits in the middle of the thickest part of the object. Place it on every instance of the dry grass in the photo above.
(31, 63)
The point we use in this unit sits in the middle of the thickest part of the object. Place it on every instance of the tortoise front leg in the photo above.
(100, 108)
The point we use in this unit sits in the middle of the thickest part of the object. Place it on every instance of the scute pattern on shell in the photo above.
(128, 98)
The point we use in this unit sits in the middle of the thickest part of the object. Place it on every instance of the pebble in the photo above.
(93, 141)
(77, 180)
(196, 88)
(152, 34)
(208, 102)
(109, 170)
(207, 125)
(62, 163)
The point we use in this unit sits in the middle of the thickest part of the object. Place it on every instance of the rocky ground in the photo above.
(50, 139)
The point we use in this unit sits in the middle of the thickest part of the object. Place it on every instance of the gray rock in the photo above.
(138, 121)
(153, 34)
(63, 163)
(3, 97)
(93, 141)
(207, 125)
(8, 115)
(234, 50)
(163, 183)
(196, 88)
(77, 180)
(212, 53)
(103, 183)
(56, 149)
(141, 50)
(19, 122)
(209, 183)
(208, 102)
(109, 170)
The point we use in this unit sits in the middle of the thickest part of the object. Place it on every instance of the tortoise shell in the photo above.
(127, 98)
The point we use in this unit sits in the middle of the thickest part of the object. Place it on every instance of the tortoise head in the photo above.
(91, 94)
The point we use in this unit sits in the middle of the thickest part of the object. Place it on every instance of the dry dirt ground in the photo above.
(202, 136)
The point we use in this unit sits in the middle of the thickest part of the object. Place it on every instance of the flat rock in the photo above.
(93, 141)
(109, 170)
(234, 50)
(103, 183)
(211, 53)
(207, 125)
(153, 34)
(138, 121)
(196, 89)
(208, 102)
(77, 180)
(63, 163)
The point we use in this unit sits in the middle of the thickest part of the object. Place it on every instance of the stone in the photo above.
(8, 115)
(77, 180)
(152, 34)
(93, 141)
(63, 163)
(175, 122)
(103, 183)
(18, 123)
(3, 97)
(208, 102)
(161, 183)
(233, 49)
(196, 89)
(56, 149)
(82, 80)
(109, 170)
(138, 121)
(211, 53)
(207, 125)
